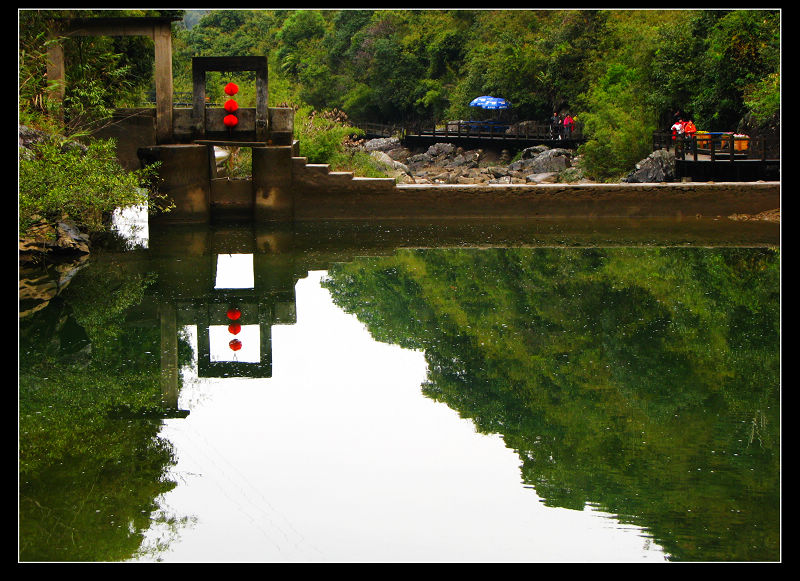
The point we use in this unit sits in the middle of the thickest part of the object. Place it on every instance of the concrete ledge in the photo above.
(535, 200)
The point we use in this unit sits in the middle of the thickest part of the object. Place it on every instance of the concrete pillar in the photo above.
(281, 125)
(272, 184)
(162, 38)
(184, 179)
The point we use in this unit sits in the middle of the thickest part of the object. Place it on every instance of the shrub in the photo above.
(322, 139)
(83, 185)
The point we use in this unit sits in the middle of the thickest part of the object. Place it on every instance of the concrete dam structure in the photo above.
(284, 187)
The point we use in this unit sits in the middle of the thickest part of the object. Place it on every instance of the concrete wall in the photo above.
(356, 202)
(132, 129)
(184, 178)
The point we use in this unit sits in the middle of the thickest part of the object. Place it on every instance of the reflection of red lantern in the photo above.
(231, 89)
(230, 120)
(234, 314)
(235, 345)
(230, 106)
(234, 328)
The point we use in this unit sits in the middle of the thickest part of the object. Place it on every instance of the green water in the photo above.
(641, 382)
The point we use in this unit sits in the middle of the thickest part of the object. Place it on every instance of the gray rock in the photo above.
(441, 149)
(382, 144)
(501, 180)
(384, 159)
(571, 175)
(420, 158)
(542, 178)
(521, 165)
(400, 154)
(70, 239)
(497, 171)
(28, 136)
(657, 167)
(552, 160)
(530, 152)
(63, 238)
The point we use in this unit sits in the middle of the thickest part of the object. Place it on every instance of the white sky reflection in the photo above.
(340, 458)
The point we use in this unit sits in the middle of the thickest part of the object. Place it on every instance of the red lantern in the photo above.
(234, 314)
(230, 120)
(231, 89)
(234, 328)
(235, 345)
(230, 106)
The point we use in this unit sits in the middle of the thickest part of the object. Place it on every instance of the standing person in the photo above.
(555, 126)
(689, 128)
(569, 125)
(677, 128)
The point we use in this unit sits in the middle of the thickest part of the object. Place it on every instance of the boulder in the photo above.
(64, 238)
(384, 159)
(530, 152)
(438, 149)
(382, 144)
(551, 160)
(657, 167)
(542, 178)
(400, 154)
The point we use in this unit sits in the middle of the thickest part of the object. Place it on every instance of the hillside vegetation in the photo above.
(623, 73)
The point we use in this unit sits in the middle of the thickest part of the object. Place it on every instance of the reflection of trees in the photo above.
(641, 380)
(88, 482)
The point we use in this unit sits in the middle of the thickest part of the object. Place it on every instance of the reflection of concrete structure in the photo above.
(190, 291)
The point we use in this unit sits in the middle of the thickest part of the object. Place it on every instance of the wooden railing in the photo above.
(718, 146)
(381, 129)
(495, 130)
(482, 129)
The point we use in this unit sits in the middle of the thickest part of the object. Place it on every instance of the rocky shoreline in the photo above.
(444, 163)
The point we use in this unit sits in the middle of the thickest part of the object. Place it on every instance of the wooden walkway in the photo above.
(474, 134)
(722, 157)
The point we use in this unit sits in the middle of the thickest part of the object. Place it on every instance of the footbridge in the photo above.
(477, 134)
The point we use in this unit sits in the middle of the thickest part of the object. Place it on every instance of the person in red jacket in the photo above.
(569, 126)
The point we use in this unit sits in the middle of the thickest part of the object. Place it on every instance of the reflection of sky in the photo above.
(339, 457)
(132, 225)
(219, 339)
(234, 271)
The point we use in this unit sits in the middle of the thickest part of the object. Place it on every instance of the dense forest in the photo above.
(623, 73)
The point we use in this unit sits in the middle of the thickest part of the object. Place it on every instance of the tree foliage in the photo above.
(641, 381)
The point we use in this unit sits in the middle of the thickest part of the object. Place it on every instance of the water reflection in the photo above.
(637, 383)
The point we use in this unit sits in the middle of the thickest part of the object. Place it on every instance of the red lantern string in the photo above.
(231, 89)
(231, 106)
(235, 344)
(234, 328)
(230, 120)
(234, 314)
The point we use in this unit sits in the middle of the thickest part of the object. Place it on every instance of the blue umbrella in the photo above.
(488, 102)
